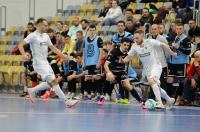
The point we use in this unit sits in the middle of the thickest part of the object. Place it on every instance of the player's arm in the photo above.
(21, 49)
(56, 51)
(109, 74)
(167, 49)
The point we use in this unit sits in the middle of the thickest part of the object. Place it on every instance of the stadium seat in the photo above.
(159, 5)
(137, 16)
(3, 49)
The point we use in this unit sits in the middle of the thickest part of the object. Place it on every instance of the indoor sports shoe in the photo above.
(170, 103)
(24, 94)
(101, 101)
(125, 101)
(71, 103)
(159, 105)
(120, 101)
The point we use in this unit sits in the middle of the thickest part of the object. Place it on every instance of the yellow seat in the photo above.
(137, 16)
(17, 59)
(6, 73)
(3, 49)
(132, 6)
(16, 74)
(159, 5)
(94, 18)
(135, 62)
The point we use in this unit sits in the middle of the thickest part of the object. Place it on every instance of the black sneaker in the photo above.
(23, 94)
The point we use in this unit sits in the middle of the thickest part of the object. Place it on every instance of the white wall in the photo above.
(18, 10)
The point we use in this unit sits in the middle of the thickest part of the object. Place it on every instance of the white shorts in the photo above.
(45, 71)
(154, 73)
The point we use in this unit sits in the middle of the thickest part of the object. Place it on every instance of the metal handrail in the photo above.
(59, 10)
(3, 19)
(32, 12)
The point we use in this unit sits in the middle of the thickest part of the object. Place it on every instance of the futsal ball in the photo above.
(150, 104)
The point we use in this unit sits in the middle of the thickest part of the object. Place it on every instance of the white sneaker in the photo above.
(68, 95)
(71, 103)
(107, 97)
(170, 103)
(159, 105)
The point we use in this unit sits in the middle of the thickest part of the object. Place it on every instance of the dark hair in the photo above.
(80, 54)
(40, 20)
(58, 33)
(121, 22)
(145, 9)
(179, 24)
(81, 32)
(105, 50)
(60, 22)
(125, 40)
(162, 24)
(139, 31)
(84, 20)
(130, 20)
(92, 26)
(192, 20)
(116, 1)
(129, 10)
(30, 23)
(50, 30)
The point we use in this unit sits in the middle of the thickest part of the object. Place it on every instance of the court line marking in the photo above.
(118, 114)
(3, 116)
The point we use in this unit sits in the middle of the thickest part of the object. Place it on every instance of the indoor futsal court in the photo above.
(20, 115)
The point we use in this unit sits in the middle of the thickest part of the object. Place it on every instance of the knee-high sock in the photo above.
(59, 92)
(39, 87)
(156, 91)
(135, 95)
(164, 95)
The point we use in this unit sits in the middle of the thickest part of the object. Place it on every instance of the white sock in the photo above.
(164, 95)
(39, 87)
(156, 91)
(59, 92)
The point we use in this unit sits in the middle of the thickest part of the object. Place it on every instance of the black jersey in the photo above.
(114, 58)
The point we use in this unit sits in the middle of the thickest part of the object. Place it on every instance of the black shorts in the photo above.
(165, 72)
(177, 70)
(92, 70)
(120, 76)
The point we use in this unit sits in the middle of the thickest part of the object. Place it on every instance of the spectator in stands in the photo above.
(172, 33)
(65, 29)
(50, 32)
(60, 41)
(74, 28)
(196, 43)
(121, 33)
(192, 82)
(177, 65)
(114, 14)
(162, 30)
(129, 15)
(130, 27)
(78, 47)
(85, 26)
(69, 45)
(59, 26)
(161, 15)
(104, 11)
(194, 29)
(147, 17)
(30, 29)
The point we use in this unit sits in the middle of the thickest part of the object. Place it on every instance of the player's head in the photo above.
(179, 29)
(78, 57)
(120, 26)
(197, 56)
(30, 27)
(154, 29)
(161, 27)
(42, 25)
(125, 44)
(92, 31)
(139, 36)
(104, 53)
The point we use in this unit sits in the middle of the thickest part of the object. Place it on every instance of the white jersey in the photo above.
(147, 54)
(39, 43)
(160, 52)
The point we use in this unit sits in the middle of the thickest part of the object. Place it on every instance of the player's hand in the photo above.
(193, 83)
(175, 45)
(121, 60)
(25, 56)
(98, 65)
(110, 77)
(175, 54)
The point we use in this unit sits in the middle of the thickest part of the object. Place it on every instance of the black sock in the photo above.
(135, 95)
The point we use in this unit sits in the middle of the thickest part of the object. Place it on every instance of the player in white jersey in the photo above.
(39, 43)
(145, 49)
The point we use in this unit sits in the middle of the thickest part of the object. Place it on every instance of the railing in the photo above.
(196, 11)
(32, 10)
(3, 19)
(59, 7)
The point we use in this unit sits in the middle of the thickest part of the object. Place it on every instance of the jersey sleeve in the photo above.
(29, 39)
(100, 43)
(132, 51)
(49, 41)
